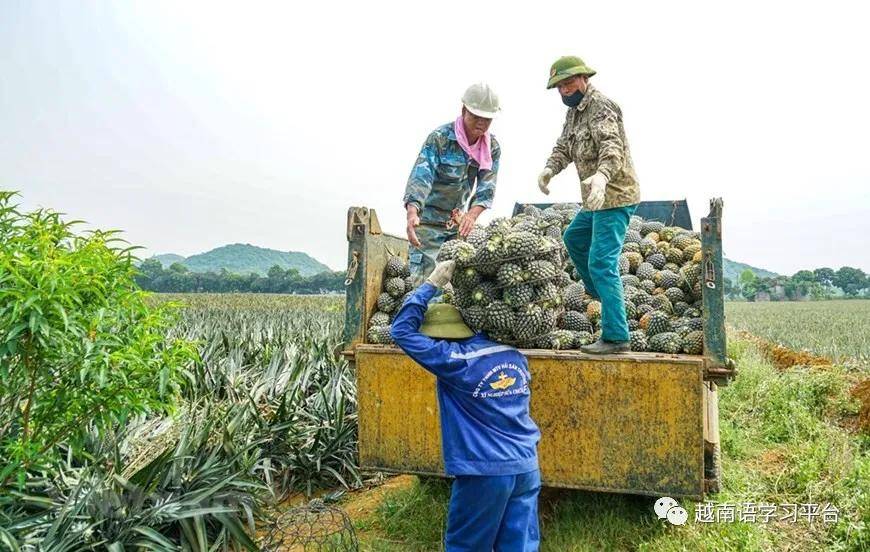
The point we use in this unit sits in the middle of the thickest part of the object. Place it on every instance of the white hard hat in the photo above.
(481, 100)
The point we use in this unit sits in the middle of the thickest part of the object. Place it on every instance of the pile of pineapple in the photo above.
(510, 278)
(398, 284)
(515, 281)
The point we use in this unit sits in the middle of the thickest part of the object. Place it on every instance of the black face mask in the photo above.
(573, 100)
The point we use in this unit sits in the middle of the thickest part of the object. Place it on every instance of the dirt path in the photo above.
(362, 503)
(359, 505)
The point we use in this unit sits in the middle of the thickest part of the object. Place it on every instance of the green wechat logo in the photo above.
(668, 508)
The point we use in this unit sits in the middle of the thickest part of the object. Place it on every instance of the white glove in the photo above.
(544, 180)
(596, 183)
(441, 274)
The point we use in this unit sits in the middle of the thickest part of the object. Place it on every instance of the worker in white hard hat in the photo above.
(453, 179)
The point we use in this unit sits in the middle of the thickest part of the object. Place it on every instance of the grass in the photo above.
(836, 329)
(783, 442)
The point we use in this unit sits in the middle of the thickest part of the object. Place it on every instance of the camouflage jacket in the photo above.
(444, 175)
(594, 139)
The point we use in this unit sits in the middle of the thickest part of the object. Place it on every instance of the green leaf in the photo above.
(200, 512)
(201, 539)
(237, 530)
(9, 541)
(156, 537)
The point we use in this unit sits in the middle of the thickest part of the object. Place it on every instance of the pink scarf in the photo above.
(479, 151)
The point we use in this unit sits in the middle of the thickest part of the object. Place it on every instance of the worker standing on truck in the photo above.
(454, 158)
(489, 440)
(594, 139)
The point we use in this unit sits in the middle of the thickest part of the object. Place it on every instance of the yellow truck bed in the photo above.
(641, 423)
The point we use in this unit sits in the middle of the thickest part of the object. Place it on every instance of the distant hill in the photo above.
(246, 258)
(168, 259)
(732, 269)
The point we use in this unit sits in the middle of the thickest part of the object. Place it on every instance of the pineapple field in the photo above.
(267, 411)
(135, 422)
(839, 330)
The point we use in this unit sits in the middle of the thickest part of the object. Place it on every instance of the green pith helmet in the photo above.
(444, 321)
(567, 66)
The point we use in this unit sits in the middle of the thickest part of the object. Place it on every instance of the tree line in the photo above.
(821, 283)
(177, 278)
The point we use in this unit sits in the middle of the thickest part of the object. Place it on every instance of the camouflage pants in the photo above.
(422, 259)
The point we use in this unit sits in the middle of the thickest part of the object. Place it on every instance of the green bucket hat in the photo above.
(567, 66)
(444, 321)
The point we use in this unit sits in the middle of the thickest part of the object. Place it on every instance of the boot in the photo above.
(602, 347)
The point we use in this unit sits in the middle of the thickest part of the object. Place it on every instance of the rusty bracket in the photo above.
(352, 269)
(719, 373)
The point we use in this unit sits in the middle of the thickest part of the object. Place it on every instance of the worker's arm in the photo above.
(431, 354)
(422, 175)
(605, 132)
(561, 155)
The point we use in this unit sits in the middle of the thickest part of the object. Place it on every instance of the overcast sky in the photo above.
(190, 126)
